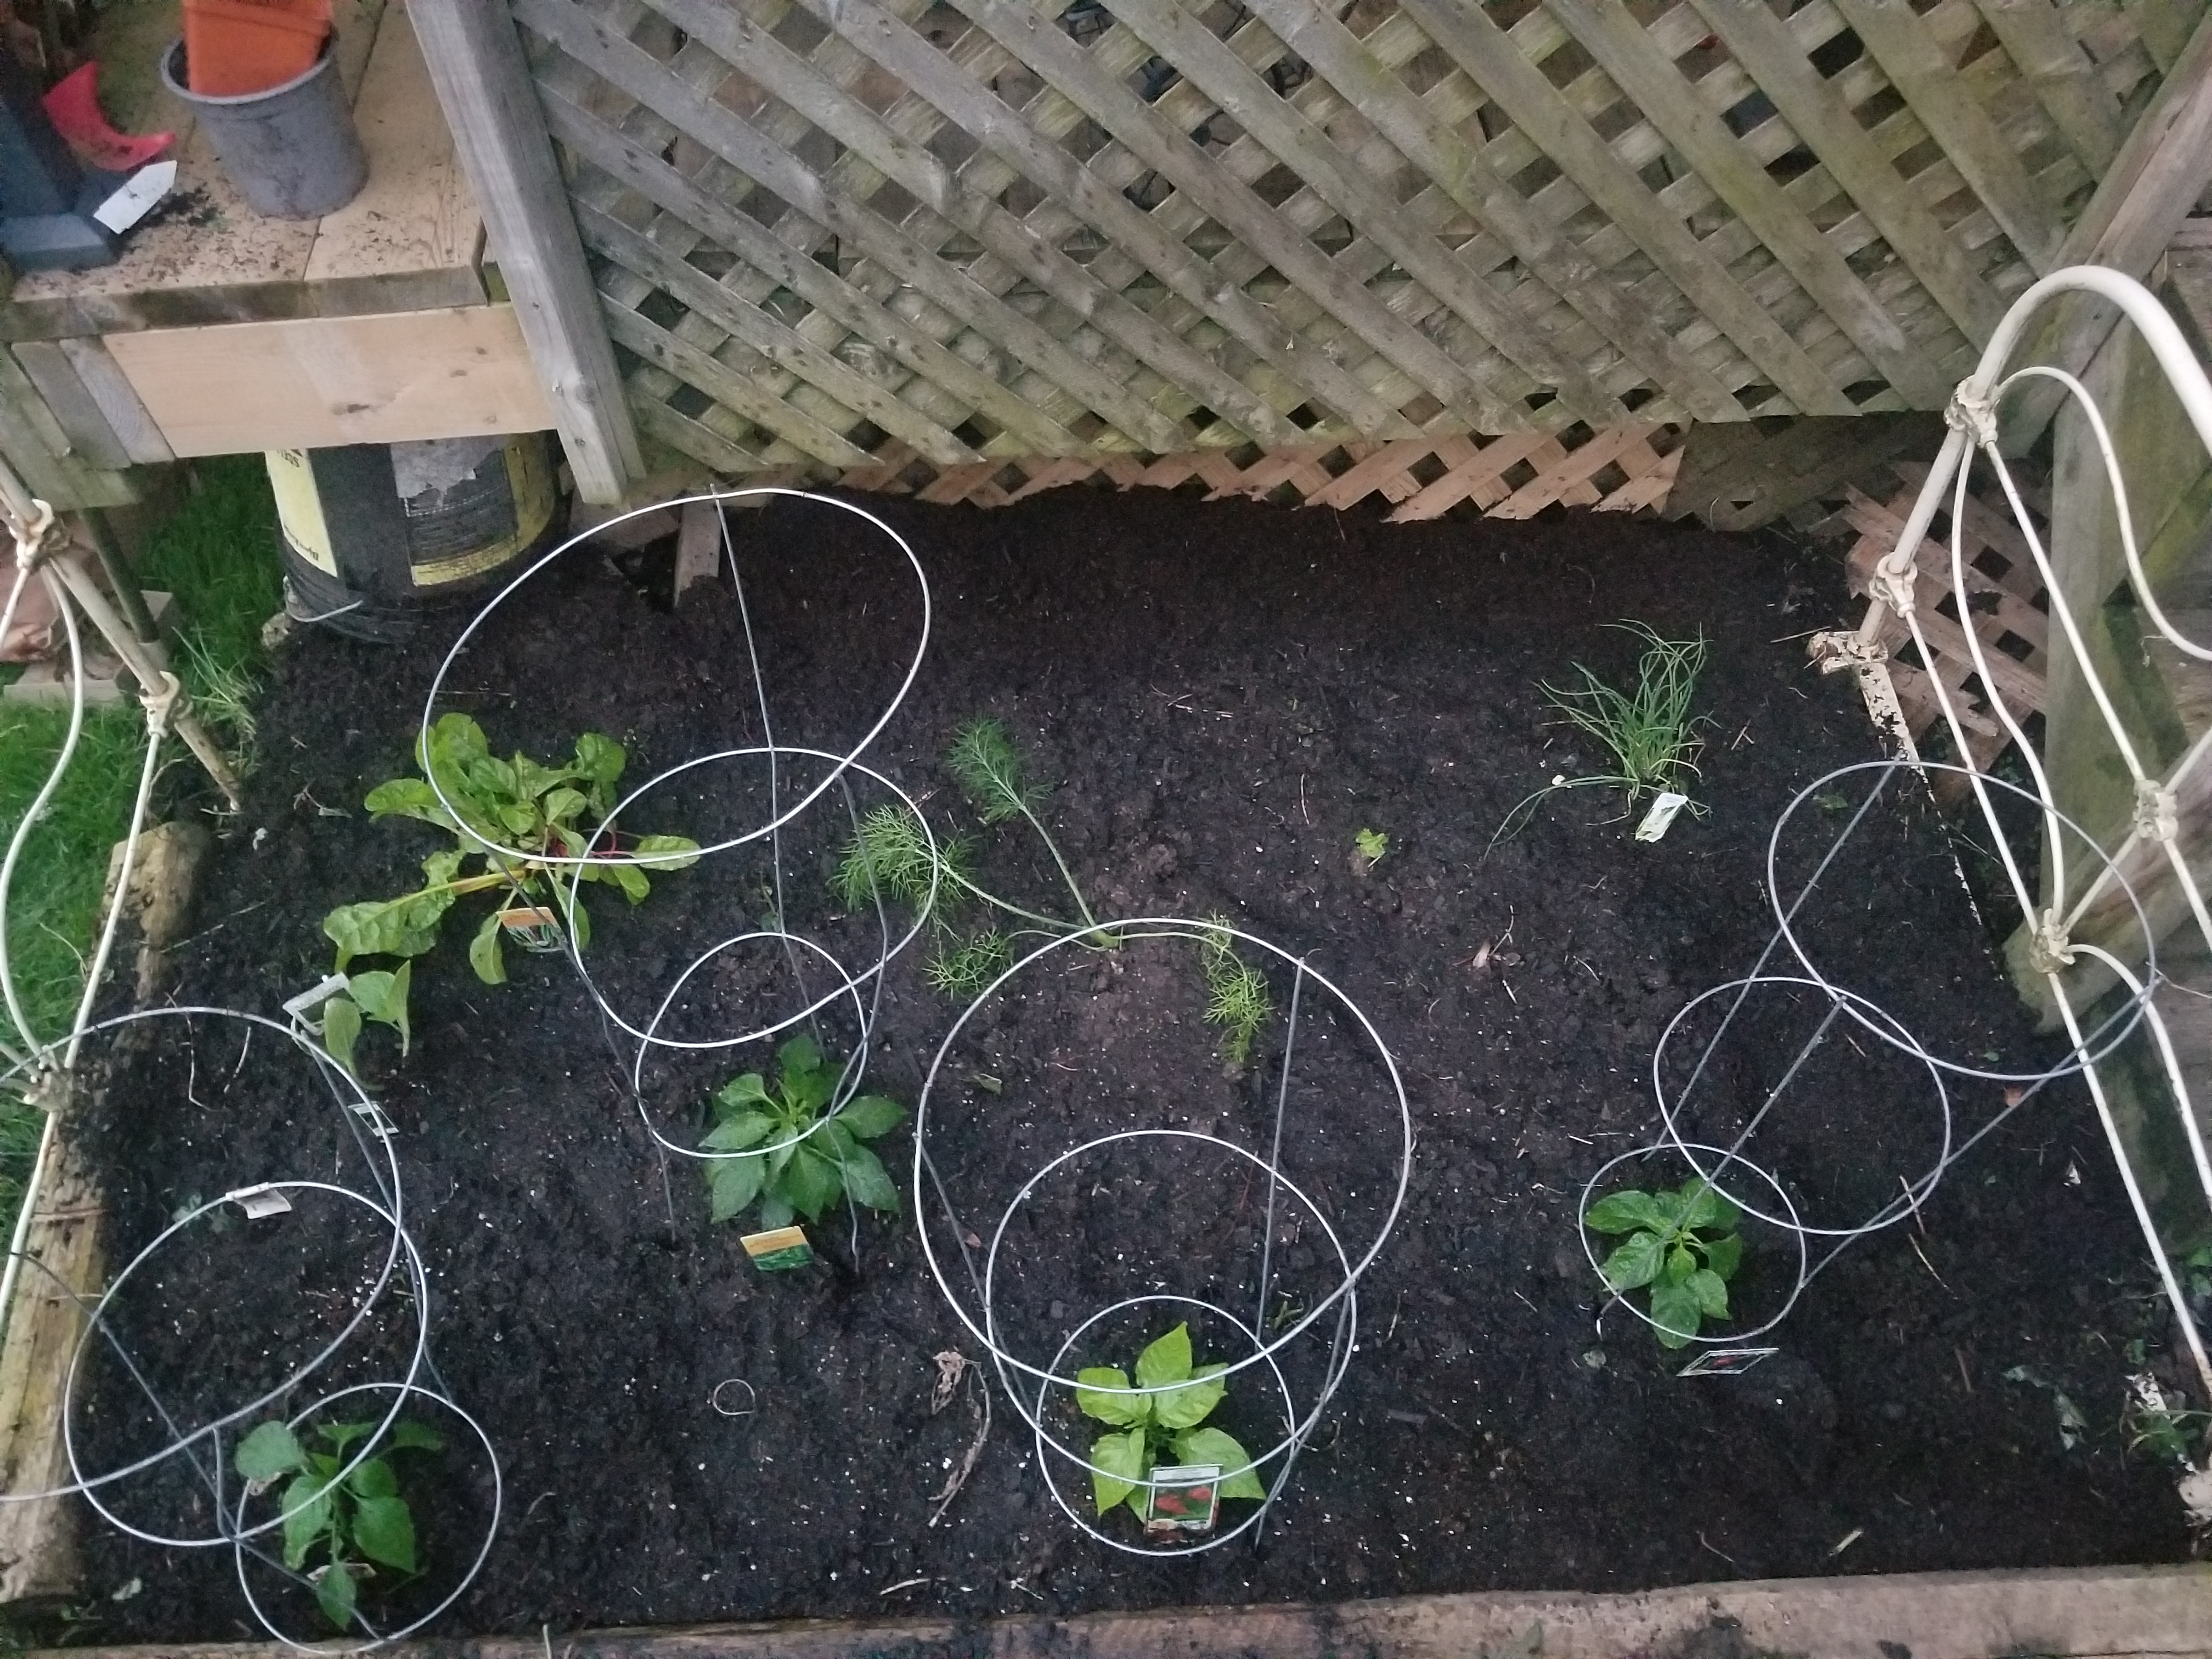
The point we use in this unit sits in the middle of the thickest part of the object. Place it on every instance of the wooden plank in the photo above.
(932, 75)
(483, 86)
(1921, 71)
(62, 1265)
(2081, 106)
(416, 213)
(1072, 73)
(1763, 44)
(1458, 169)
(141, 438)
(782, 73)
(1626, 55)
(704, 297)
(2151, 187)
(1364, 200)
(2163, 26)
(320, 381)
(1553, 125)
(645, 172)
(2075, 1613)
(40, 452)
(75, 410)
(737, 142)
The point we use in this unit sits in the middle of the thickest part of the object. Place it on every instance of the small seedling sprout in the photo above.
(1368, 847)
(1238, 999)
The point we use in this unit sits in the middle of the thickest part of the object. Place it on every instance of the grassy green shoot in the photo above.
(1648, 730)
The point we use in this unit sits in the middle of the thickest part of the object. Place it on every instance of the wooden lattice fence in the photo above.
(837, 235)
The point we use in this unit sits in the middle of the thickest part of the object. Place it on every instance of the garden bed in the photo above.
(1222, 696)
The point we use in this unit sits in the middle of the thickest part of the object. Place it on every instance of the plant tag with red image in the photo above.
(1186, 1496)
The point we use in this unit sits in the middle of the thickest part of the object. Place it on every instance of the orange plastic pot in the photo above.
(234, 47)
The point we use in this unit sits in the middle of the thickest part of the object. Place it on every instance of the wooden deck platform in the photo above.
(221, 332)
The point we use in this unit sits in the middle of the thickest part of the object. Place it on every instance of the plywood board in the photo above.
(318, 381)
(416, 213)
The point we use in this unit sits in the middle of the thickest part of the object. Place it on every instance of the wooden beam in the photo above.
(318, 381)
(2160, 171)
(483, 85)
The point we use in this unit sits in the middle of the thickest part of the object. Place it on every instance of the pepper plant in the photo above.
(797, 1173)
(1683, 1245)
(543, 813)
(1151, 1424)
(353, 1520)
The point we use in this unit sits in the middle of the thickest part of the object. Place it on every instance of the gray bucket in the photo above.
(291, 150)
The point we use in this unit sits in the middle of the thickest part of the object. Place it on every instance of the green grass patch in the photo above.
(218, 554)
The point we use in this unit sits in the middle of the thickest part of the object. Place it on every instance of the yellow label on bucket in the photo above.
(300, 508)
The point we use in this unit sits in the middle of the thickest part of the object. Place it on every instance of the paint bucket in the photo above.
(376, 534)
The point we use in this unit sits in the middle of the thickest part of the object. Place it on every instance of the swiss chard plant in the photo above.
(1168, 1426)
(512, 820)
(1681, 1247)
(356, 1523)
(893, 856)
(797, 1172)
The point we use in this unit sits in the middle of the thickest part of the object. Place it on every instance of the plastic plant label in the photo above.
(1185, 1497)
(532, 927)
(1660, 816)
(1726, 1362)
(315, 996)
(259, 1201)
(373, 1114)
(778, 1250)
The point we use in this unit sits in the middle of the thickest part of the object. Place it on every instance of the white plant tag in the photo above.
(1725, 1362)
(131, 203)
(315, 996)
(259, 1201)
(1661, 815)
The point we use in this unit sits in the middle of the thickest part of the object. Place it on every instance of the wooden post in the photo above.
(484, 86)
(2160, 171)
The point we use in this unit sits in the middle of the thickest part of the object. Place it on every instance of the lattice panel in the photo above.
(1515, 476)
(997, 229)
(2007, 605)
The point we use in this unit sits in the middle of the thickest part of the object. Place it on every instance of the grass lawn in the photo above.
(218, 554)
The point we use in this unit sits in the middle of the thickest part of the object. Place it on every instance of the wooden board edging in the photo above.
(2061, 1613)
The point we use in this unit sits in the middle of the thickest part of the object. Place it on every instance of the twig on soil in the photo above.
(1964, 1376)
(1926, 1263)
(979, 1404)
(1717, 1550)
(1913, 1199)
(952, 1366)
(904, 1584)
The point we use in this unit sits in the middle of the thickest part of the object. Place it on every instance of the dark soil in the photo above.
(1221, 697)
